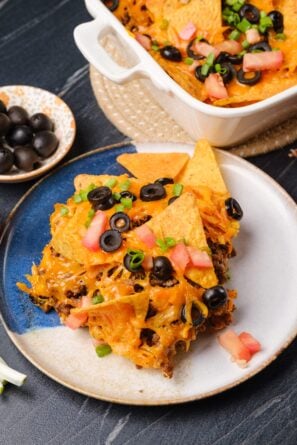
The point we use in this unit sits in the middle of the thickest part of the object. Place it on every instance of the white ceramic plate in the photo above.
(36, 100)
(264, 272)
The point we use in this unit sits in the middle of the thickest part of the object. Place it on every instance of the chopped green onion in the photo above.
(237, 5)
(263, 14)
(127, 203)
(125, 185)
(242, 53)
(98, 298)
(210, 59)
(82, 195)
(170, 241)
(177, 189)
(199, 38)
(116, 196)
(162, 244)
(111, 183)
(245, 44)
(204, 69)
(155, 47)
(265, 22)
(280, 36)
(64, 211)
(234, 35)
(103, 350)
(244, 25)
(164, 24)
(77, 198)
(188, 60)
(166, 43)
(91, 214)
(8, 374)
(119, 208)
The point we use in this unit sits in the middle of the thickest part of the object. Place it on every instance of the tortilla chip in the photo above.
(203, 170)
(82, 181)
(151, 166)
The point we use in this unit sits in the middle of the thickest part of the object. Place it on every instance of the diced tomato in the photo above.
(145, 234)
(188, 32)
(198, 258)
(267, 60)
(180, 256)
(147, 263)
(86, 301)
(253, 36)
(250, 342)
(75, 321)
(144, 40)
(205, 49)
(215, 87)
(229, 46)
(95, 230)
(232, 343)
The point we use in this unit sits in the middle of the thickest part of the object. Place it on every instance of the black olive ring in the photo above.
(191, 53)
(196, 315)
(242, 77)
(120, 221)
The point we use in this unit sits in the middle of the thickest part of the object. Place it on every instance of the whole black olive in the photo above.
(249, 12)
(129, 263)
(197, 318)
(112, 5)
(99, 195)
(260, 46)
(227, 72)
(25, 158)
(250, 78)
(192, 53)
(19, 135)
(127, 194)
(4, 124)
(18, 115)
(2, 107)
(169, 52)
(233, 209)
(45, 143)
(120, 221)
(215, 297)
(110, 240)
(162, 268)
(152, 192)
(164, 181)
(172, 199)
(6, 160)
(40, 122)
(277, 21)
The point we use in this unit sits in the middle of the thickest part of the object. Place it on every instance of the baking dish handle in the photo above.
(87, 37)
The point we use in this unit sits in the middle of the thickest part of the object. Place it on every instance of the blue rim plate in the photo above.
(264, 267)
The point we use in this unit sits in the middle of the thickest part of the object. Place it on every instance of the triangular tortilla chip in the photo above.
(203, 170)
(151, 166)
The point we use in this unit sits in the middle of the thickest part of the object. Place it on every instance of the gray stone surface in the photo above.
(37, 48)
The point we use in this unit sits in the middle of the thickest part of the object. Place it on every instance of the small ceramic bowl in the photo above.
(36, 100)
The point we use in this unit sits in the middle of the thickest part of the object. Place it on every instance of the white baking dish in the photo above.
(221, 126)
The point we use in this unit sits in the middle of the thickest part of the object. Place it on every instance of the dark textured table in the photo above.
(37, 48)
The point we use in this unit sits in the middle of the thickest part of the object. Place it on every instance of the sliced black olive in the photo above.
(120, 221)
(225, 57)
(99, 195)
(197, 318)
(277, 21)
(200, 76)
(112, 5)
(152, 192)
(41, 122)
(127, 194)
(45, 143)
(20, 135)
(164, 181)
(227, 72)
(192, 53)
(170, 52)
(215, 297)
(18, 115)
(6, 160)
(172, 199)
(249, 12)
(105, 205)
(2, 107)
(110, 240)
(4, 124)
(236, 59)
(260, 46)
(162, 268)
(128, 258)
(233, 208)
(248, 78)
(25, 158)
(138, 288)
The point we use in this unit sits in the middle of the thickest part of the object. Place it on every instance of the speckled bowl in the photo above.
(36, 100)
